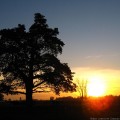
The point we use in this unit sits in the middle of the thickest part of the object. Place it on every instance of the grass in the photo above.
(104, 108)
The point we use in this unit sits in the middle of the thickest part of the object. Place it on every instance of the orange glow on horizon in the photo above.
(108, 79)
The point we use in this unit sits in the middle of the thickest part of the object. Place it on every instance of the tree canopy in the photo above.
(28, 60)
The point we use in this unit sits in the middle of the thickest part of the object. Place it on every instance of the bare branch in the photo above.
(14, 92)
(40, 91)
(38, 84)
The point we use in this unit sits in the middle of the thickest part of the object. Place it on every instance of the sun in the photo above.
(96, 87)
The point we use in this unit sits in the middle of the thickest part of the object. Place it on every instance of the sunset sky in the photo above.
(90, 30)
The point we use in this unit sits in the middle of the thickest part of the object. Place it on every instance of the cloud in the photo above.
(90, 56)
(101, 56)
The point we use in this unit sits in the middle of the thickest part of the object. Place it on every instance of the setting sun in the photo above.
(96, 87)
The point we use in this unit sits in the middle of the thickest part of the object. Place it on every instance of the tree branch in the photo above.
(36, 91)
(38, 84)
(14, 92)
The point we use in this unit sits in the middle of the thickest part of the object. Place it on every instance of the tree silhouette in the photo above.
(28, 60)
(1, 97)
(82, 87)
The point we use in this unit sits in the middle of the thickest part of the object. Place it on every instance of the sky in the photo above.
(90, 30)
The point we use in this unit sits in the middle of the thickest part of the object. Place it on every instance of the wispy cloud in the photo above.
(93, 56)
(101, 56)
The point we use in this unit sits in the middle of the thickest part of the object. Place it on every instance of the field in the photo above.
(104, 108)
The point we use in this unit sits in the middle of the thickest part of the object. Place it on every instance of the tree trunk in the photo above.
(29, 93)
(29, 83)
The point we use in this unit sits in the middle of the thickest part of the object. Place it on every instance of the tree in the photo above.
(28, 60)
(82, 87)
(1, 97)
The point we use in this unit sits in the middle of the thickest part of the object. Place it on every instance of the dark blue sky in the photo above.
(89, 28)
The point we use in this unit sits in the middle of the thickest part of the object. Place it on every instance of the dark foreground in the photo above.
(92, 109)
